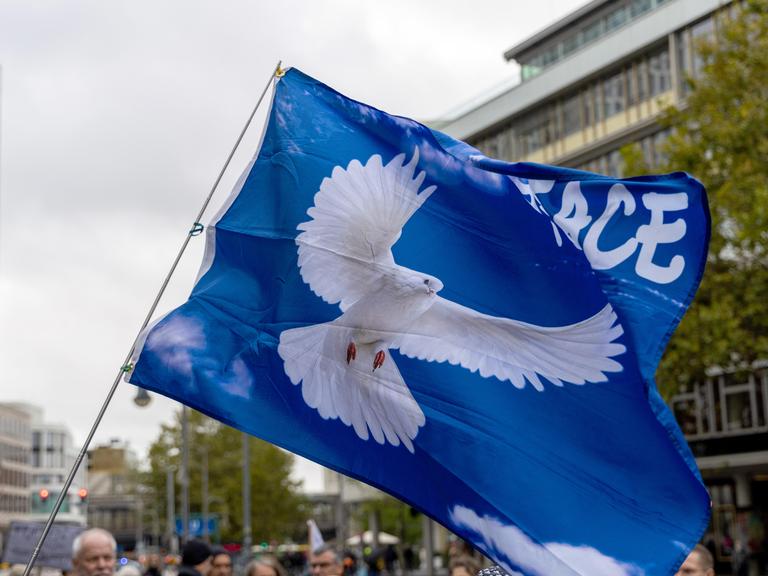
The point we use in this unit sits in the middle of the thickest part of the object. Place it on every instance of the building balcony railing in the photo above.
(725, 405)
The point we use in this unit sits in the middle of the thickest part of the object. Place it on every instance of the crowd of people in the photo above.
(94, 553)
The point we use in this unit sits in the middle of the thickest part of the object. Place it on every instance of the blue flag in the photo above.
(477, 338)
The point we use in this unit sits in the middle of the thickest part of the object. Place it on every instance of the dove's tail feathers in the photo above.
(300, 349)
(375, 403)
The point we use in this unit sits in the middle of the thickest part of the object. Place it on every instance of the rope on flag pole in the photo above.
(126, 367)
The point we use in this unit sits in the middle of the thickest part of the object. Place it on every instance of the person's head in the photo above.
(129, 570)
(265, 566)
(197, 553)
(94, 553)
(349, 562)
(325, 561)
(154, 561)
(698, 563)
(221, 562)
(463, 566)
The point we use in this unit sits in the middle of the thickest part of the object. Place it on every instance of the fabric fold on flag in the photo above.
(477, 338)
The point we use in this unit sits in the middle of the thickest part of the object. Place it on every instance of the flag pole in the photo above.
(197, 227)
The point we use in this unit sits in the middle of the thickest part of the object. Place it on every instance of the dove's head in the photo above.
(431, 284)
(413, 284)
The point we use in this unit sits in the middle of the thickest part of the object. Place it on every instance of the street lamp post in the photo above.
(206, 536)
(341, 516)
(170, 517)
(247, 536)
(184, 474)
(139, 525)
(142, 399)
(428, 536)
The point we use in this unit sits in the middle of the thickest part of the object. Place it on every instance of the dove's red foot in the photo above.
(351, 352)
(378, 360)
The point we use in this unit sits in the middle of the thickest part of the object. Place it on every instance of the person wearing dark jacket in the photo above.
(195, 559)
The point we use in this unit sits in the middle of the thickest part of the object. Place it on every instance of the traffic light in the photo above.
(83, 493)
(43, 493)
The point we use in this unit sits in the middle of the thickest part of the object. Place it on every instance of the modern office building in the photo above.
(593, 82)
(725, 420)
(49, 460)
(590, 83)
(15, 472)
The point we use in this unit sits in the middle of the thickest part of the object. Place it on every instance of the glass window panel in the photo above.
(592, 31)
(659, 73)
(638, 7)
(615, 165)
(699, 32)
(587, 107)
(738, 411)
(647, 146)
(683, 60)
(643, 81)
(490, 147)
(570, 44)
(613, 94)
(534, 131)
(760, 399)
(552, 55)
(632, 91)
(616, 18)
(514, 143)
(572, 115)
(659, 152)
(503, 140)
(602, 165)
(685, 414)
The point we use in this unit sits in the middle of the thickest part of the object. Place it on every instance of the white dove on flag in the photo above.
(345, 256)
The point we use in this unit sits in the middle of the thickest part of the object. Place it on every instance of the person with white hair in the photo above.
(94, 553)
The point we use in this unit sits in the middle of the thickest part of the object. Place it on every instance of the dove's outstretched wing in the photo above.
(357, 216)
(516, 351)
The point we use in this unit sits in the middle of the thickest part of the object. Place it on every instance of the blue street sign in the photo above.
(196, 525)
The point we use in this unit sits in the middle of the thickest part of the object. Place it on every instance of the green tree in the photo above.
(633, 160)
(278, 509)
(721, 137)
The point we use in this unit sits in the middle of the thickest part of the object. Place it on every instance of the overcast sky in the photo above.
(115, 119)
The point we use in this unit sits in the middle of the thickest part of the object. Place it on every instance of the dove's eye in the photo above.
(426, 281)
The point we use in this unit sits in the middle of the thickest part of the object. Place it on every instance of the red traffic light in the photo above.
(43, 494)
(83, 493)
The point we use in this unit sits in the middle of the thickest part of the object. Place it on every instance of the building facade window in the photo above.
(659, 73)
(639, 7)
(725, 405)
(615, 15)
(613, 95)
(616, 18)
(572, 114)
(700, 32)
